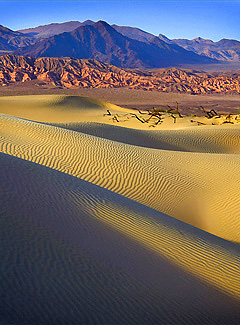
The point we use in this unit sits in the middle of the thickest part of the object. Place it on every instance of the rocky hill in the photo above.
(68, 72)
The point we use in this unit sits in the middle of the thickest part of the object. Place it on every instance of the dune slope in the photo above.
(197, 188)
(72, 252)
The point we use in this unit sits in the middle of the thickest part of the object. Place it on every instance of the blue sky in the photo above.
(175, 19)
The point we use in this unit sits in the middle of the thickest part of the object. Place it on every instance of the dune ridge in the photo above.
(220, 139)
(82, 247)
(186, 185)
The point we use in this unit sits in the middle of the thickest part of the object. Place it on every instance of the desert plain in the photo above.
(112, 214)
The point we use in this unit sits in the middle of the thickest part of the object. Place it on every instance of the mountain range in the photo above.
(223, 50)
(102, 42)
(123, 46)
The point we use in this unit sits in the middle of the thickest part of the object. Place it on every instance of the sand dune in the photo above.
(197, 188)
(75, 252)
(55, 108)
(108, 222)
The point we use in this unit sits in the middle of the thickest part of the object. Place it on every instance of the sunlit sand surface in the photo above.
(116, 220)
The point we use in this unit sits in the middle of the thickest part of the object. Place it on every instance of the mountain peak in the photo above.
(200, 39)
(88, 22)
(102, 23)
(103, 27)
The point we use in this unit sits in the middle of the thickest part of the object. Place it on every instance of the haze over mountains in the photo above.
(45, 31)
(123, 46)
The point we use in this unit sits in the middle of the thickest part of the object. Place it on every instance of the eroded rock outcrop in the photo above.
(68, 72)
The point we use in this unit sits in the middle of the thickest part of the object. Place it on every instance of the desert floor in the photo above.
(111, 215)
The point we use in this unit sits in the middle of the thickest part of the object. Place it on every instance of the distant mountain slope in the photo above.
(224, 50)
(102, 42)
(10, 40)
(67, 72)
(134, 33)
(46, 31)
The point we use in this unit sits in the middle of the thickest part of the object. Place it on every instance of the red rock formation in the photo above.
(69, 73)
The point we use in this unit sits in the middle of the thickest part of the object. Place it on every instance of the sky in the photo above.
(175, 19)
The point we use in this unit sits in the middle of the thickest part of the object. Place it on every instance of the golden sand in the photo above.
(188, 173)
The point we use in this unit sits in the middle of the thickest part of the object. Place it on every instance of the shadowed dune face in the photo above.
(70, 245)
(107, 224)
